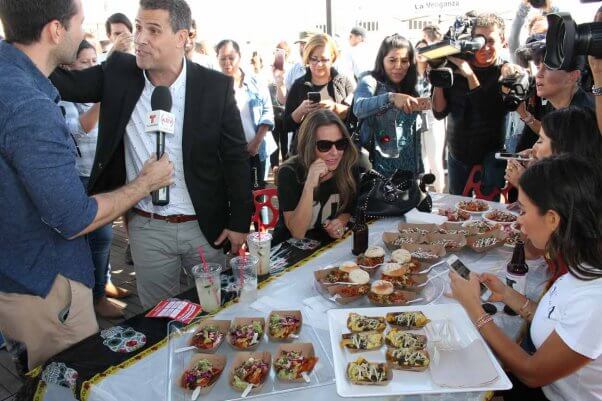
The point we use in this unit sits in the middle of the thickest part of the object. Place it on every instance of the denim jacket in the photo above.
(260, 105)
(393, 132)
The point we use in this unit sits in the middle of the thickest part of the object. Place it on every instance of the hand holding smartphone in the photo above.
(460, 268)
(512, 156)
(314, 97)
(424, 103)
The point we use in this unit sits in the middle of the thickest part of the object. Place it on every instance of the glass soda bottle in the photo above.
(516, 272)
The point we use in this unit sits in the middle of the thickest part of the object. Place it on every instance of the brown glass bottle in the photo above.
(516, 272)
(360, 235)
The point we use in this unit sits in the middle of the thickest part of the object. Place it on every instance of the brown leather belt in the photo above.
(174, 218)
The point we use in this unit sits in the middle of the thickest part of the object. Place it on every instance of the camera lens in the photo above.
(566, 40)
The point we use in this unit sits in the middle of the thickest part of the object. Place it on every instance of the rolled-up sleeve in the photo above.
(43, 154)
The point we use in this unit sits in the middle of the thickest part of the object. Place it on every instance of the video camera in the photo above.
(516, 88)
(566, 40)
(459, 42)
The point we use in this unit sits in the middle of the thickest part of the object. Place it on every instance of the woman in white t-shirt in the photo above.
(562, 213)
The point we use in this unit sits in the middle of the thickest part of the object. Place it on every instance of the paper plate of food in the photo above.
(454, 215)
(474, 206)
(502, 217)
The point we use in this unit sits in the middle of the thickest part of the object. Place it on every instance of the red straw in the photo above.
(243, 255)
(206, 268)
(202, 255)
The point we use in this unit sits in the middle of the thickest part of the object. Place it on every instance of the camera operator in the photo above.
(475, 109)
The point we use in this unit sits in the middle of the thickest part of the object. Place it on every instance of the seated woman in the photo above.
(386, 101)
(336, 90)
(562, 212)
(569, 130)
(317, 188)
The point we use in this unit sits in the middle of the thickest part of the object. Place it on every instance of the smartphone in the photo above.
(279, 60)
(314, 97)
(464, 271)
(424, 103)
(511, 156)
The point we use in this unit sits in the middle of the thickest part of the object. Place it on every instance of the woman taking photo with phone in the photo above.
(386, 102)
(317, 188)
(562, 213)
(333, 91)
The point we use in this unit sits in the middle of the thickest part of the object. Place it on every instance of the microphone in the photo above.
(160, 122)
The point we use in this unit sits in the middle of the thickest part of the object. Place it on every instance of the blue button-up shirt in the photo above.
(42, 201)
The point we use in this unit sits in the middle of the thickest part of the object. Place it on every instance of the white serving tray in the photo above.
(404, 383)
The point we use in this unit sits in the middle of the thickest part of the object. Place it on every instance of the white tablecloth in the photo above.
(146, 380)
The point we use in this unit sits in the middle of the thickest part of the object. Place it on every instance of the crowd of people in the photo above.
(75, 155)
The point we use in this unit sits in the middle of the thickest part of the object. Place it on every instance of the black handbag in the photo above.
(381, 196)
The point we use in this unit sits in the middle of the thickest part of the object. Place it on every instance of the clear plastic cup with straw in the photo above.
(244, 270)
(260, 246)
(208, 283)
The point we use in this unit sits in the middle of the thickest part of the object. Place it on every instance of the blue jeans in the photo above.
(100, 246)
(492, 177)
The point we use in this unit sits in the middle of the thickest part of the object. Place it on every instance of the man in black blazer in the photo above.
(212, 188)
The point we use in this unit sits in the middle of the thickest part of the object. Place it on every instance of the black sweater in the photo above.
(475, 118)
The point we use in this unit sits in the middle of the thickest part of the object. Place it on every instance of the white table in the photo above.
(146, 380)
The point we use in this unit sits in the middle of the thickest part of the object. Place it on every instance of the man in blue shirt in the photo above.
(46, 271)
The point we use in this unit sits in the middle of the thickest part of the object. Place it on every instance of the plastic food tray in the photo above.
(403, 382)
(179, 337)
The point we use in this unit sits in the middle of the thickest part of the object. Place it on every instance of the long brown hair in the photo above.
(343, 175)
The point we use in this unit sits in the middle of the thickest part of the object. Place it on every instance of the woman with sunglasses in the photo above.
(386, 101)
(336, 90)
(561, 212)
(317, 188)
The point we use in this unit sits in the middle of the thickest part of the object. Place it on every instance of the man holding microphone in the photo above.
(210, 201)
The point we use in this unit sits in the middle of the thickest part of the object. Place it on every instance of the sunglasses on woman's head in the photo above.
(324, 146)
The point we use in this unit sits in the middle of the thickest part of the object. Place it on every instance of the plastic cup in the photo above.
(244, 270)
(259, 246)
(208, 285)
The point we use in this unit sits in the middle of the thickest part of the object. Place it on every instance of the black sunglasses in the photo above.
(324, 146)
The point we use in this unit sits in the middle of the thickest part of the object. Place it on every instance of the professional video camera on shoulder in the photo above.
(459, 41)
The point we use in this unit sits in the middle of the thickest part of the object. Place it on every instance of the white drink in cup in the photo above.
(244, 270)
(260, 245)
(208, 285)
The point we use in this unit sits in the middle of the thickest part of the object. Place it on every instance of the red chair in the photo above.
(264, 198)
(474, 185)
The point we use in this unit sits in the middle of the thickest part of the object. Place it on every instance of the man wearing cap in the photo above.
(356, 60)
(298, 69)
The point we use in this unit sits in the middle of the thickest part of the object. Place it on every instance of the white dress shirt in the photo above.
(139, 146)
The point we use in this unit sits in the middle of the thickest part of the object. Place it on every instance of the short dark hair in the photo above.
(396, 41)
(83, 46)
(225, 42)
(358, 31)
(180, 16)
(24, 20)
(118, 18)
(573, 130)
(571, 187)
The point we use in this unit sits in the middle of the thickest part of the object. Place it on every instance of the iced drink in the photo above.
(208, 285)
(259, 246)
(244, 270)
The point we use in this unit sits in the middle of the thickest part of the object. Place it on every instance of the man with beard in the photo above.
(46, 270)
(475, 109)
